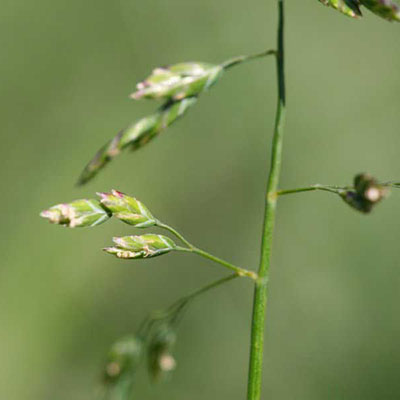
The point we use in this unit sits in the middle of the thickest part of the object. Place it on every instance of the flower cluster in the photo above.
(92, 212)
(87, 213)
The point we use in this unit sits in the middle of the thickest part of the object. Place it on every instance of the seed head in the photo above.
(144, 246)
(366, 194)
(124, 357)
(127, 209)
(79, 213)
(160, 358)
(178, 81)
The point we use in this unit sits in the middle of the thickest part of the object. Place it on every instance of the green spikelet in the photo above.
(160, 358)
(178, 81)
(366, 195)
(79, 213)
(383, 8)
(179, 85)
(127, 209)
(136, 135)
(122, 362)
(348, 7)
(144, 246)
(124, 357)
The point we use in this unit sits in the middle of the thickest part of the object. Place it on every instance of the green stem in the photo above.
(260, 291)
(211, 285)
(328, 188)
(239, 271)
(193, 249)
(325, 188)
(391, 184)
(241, 59)
(174, 232)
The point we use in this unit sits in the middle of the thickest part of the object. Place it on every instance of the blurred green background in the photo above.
(66, 71)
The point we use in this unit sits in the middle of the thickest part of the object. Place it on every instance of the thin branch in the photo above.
(332, 189)
(239, 271)
(174, 232)
(329, 188)
(172, 312)
(195, 250)
(241, 59)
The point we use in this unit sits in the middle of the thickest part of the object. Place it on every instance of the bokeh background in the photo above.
(67, 68)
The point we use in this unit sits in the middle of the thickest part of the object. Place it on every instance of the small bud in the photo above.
(366, 194)
(178, 81)
(127, 209)
(124, 357)
(348, 7)
(160, 358)
(383, 8)
(136, 136)
(144, 246)
(79, 213)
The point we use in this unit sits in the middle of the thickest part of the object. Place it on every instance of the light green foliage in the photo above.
(178, 81)
(79, 213)
(387, 9)
(144, 246)
(136, 135)
(127, 209)
(383, 8)
(161, 362)
(366, 194)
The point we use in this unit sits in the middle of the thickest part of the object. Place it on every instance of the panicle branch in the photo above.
(91, 212)
(363, 196)
(154, 340)
(179, 85)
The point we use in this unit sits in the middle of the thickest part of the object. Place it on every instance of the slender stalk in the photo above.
(174, 232)
(209, 286)
(297, 190)
(193, 249)
(311, 188)
(239, 271)
(329, 188)
(171, 313)
(260, 291)
(391, 184)
(241, 59)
